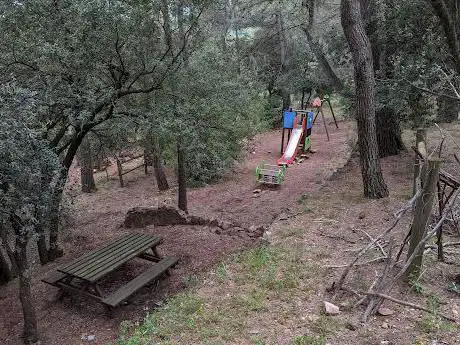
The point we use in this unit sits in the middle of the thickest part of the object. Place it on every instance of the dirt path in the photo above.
(100, 215)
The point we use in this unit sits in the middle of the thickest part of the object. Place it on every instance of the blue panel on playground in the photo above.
(310, 117)
(288, 119)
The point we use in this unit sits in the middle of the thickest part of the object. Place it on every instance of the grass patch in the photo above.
(309, 340)
(292, 232)
(261, 274)
(325, 325)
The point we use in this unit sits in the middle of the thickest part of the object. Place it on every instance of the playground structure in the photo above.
(299, 124)
(270, 174)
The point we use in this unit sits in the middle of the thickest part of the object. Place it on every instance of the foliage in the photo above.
(28, 172)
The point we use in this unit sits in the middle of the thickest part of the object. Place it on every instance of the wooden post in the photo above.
(420, 145)
(120, 172)
(324, 120)
(333, 115)
(423, 210)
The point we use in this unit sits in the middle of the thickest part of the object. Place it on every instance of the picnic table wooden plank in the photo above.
(96, 252)
(53, 278)
(95, 261)
(93, 267)
(141, 280)
(117, 261)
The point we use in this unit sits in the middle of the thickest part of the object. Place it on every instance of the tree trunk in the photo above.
(30, 334)
(316, 47)
(286, 99)
(41, 245)
(28, 310)
(387, 123)
(162, 181)
(388, 132)
(6, 273)
(326, 67)
(86, 167)
(374, 185)
(423, 210)
(54, 251)
(450, 30)
(181, 177)
(9, 251)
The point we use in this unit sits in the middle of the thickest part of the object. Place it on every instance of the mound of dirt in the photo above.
(139, 217)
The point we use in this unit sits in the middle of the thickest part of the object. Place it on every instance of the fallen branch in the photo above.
(398, 215)
(379, 259)
(377, 242)
(408, 304)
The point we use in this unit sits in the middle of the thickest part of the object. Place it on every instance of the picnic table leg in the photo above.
(155, 253)
(62, 293)
(98, 290)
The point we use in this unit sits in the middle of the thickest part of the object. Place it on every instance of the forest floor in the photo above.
(229, 289)
(94, 219)
(274, 293)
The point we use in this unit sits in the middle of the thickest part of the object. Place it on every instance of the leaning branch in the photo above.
(408, 304)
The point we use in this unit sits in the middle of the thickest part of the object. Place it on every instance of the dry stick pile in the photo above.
(392, 271)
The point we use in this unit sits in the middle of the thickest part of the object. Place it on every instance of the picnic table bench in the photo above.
(83, 275)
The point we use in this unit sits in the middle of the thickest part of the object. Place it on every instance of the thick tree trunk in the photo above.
(388, 133)
(181, 177)
(28, 310)
(387, 124)
(86, 167)
(352, 22)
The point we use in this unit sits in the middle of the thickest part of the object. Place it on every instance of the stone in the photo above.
(385, 311)
(351, 326)
(385, 325)
(213, 222)
(301, 160)
(361, 215)
(331, 309)
(139, 217)
(256, 191)
(224, 225)
(283, 216)
(197, 220)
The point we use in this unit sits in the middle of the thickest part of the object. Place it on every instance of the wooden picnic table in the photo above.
(83, 275)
